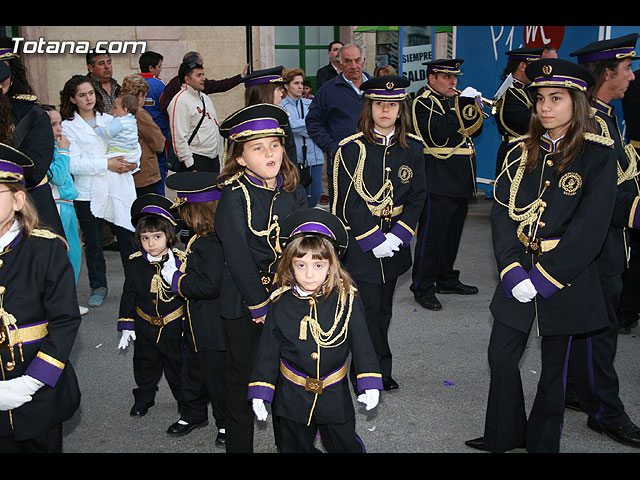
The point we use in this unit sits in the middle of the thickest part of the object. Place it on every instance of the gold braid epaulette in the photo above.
(135, 254)
(599, 139)
(278, 291)
(43, 233)
(417, 138)
(350, 139)
(180, 255)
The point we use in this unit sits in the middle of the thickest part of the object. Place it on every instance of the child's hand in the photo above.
(259, 409)
(370, 398)
(124, 339)
(63, 142)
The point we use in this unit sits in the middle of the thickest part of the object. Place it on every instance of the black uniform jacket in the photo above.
(199, 281)
(37, 287)
(359, 174)
(283, 360)
(513, 114)
(147, 304)
(447, 126)
(613, 258)
(247, 210)
(572, 228)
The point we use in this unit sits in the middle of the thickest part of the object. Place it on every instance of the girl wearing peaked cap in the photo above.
(553, 205)
(380, 190)
(150, 313)
(40, 319)
(259, 188)
(316, 308)
(199, 282)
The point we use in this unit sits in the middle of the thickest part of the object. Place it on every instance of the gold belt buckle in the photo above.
(156, 321)
(314, 385)
(534, 247)
(5, 340)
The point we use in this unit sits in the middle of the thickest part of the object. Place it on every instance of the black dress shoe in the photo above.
(140, 409)
(390, 384)
(629, 434)
(180, 429)
(221, 439)
(457, 288)
(479, 444)
(430, 302)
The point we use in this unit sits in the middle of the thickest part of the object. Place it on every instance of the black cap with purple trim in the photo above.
(526, 54)
(152, 204)
(15, 166)
(6, 48)
(255, 121)
(556, 72)
(314, 221)
(268, 75)
(613, 49)
(444, 65)
(386, 88)
(193, 187)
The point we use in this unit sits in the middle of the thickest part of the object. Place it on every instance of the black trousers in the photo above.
(203, 382)
(439, 231)
(150, 361)
(298, 438)
(50, 442)
(629, 308)
(506, 423)
(378, 308)
(592, 375)
(243, 335)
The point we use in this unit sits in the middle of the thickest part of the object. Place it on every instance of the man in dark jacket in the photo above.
(331, 69)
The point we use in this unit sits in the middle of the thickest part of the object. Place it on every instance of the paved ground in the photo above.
(439, 362)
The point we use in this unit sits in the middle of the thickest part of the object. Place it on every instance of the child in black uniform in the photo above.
(199, 281)
(259, 186)
(150, 313)
(315, 321)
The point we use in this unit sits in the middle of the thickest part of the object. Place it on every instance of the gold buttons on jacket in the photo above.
(550, 163)
(2, 289)
(314, 355)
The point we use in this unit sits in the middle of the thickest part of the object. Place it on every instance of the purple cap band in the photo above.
(158, 211)
(615, 53)
(255, 126)
(560, 81)
(15, 172)
(313, 227)
(265, 79)
(199, 197)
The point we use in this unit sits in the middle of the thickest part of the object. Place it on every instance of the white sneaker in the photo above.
(83, 310)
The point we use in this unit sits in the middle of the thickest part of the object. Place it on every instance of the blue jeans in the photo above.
(92, 230)
(314, 190)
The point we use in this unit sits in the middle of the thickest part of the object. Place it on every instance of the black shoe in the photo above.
(430, 302)
(573, 405)
(629, 434)
(221, 439)
(180, 429)
(390, 384)
(626, 329)
(140, 409)
(479, 444)
(458, 288)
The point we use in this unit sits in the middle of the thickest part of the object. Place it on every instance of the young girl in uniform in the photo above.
(379, 184)
(150, 313)
(40, 319)
(259, 187)
(199, 282)
(553, 206)
(315, 309)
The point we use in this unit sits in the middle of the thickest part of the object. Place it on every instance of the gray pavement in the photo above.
(439, 362)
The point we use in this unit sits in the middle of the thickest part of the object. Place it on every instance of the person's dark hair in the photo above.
(582, 122)
(261, 93)
(192, 57)
(186, 68)
(149, 59)
(19, 81)
(130, 102)
(402, 125)
(6, 122)
(599, 70)
(333, 43)
(68, 109)
(199, 217)
(91, 57)
(156, 223)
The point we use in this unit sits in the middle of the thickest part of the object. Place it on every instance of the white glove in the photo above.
(169, 268)
(18, 391)
(524, 291)
(370, 398)
(126, 336)
(395, 241)
(259, 409)
(385, 249)
(470, 92)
